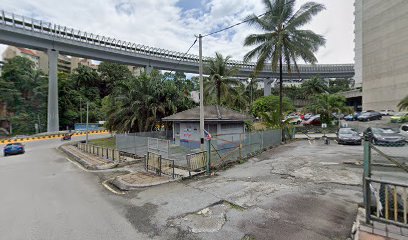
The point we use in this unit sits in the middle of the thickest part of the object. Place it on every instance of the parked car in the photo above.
(294, 120)
(385, 136)
(338, 115)
(348, 136)
(400, 117)
(307, 116)
(387, 112)
(404, 131)
(313, 121)
(369, 116)
(349, 117)
(13, 148)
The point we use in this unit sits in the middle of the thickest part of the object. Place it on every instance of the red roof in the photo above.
(28, 51)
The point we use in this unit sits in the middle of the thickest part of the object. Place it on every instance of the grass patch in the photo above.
(104, 142)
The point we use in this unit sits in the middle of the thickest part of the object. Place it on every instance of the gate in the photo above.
(385, 197)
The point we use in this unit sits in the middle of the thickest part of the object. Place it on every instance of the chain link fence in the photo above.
(138, 143)
(224, 147)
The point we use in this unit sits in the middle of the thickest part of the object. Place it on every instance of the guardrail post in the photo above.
(367, 174)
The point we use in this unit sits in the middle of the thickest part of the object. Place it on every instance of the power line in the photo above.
(181, 58)
(244, 21)
(236, 24)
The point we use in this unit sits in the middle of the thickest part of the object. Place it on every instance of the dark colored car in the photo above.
(349, 117)
(13, 148)
(369, 116)
(385, 136)
(348, 136)
(314, 121)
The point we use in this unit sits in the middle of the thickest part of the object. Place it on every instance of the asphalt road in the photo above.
(44, 196)
(300, 190)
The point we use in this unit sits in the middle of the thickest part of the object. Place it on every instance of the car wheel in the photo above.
(5, 154)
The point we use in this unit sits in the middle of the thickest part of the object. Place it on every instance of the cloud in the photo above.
(169, 25)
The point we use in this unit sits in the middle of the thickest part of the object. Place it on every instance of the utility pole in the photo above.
(200, 71)
(87, 118)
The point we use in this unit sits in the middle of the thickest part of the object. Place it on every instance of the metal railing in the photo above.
(106, 153)
(157, 164)
(55, 30)
(385, 198)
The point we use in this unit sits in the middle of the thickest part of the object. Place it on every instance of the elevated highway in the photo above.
(56, 39)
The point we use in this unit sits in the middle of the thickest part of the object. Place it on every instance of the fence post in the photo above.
(113, 154)
(240, 145)
(173, 169)
(134, 140)
(209, 157)
(367, 174)
(147, 161)
(160, 165)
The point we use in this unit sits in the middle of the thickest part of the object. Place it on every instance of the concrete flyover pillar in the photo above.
(267, 87)
(53, 118)
(149, 69)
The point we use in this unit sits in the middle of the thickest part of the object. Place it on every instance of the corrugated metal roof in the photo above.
(211, 113)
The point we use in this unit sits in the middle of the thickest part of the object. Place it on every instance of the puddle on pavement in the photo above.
(207, 220)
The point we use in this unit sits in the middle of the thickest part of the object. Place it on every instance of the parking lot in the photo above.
(385, 122)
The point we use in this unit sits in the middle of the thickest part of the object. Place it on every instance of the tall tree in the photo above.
(282, 40)
(403, 104)
(139, 103)
(220, 82)
(327, 104)
(314, 86)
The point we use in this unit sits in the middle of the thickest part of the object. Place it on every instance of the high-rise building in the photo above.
(65, 63)
(382, 53)
(12, 52)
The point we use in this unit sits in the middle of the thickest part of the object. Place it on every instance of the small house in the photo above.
(217, 121)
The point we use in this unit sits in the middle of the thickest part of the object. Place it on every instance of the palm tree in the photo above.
(314, 86)
(281, 39)
(403, 104)
(326, 104)
(220, 80)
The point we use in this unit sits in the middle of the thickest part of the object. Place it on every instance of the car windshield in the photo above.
(346, 131)
(382, 130)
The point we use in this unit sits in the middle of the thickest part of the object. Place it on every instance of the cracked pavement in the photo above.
(295, 191)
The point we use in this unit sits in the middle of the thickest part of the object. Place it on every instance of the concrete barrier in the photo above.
(47, 137)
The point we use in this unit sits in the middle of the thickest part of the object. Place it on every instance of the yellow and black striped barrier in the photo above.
(48, 137)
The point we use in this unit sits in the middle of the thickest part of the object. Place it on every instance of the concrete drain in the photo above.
(207, 220)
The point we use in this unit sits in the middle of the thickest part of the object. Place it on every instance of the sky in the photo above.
(173, 24)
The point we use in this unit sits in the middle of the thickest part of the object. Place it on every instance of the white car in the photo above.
(387, 112)
(404, 131)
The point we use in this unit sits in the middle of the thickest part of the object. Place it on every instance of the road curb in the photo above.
(124, 186)
(84, 163)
